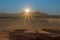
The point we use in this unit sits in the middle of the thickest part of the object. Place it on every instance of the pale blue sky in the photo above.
(48, 6)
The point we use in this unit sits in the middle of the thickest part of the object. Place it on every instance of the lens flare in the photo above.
(27, 14)
(27, 17)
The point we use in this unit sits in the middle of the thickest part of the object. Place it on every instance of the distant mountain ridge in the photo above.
(34, 13)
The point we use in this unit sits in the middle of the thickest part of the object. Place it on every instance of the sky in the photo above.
(46, 6)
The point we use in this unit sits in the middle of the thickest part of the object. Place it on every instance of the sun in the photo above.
(27, 10)
(27, 13)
